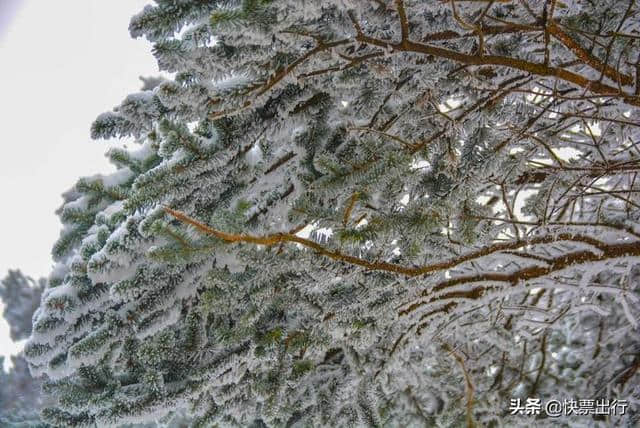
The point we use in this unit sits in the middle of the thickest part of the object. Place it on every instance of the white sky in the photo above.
(61, 64)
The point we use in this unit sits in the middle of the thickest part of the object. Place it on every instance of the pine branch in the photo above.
(518, 64)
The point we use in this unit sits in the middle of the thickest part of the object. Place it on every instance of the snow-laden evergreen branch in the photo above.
(352, 213)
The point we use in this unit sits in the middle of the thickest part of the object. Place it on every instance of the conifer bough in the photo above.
(357, 213)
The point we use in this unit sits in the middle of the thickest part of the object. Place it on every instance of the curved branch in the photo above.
(607, 250)
(518, 64)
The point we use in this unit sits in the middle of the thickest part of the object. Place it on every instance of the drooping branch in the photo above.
(605, 251)
(608, 252)
(539, 69)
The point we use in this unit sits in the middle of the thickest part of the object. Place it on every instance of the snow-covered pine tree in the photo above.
(20, 296)
(20, 398)
(357, 213)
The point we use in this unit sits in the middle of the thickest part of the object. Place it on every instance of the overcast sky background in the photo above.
(61, 64)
